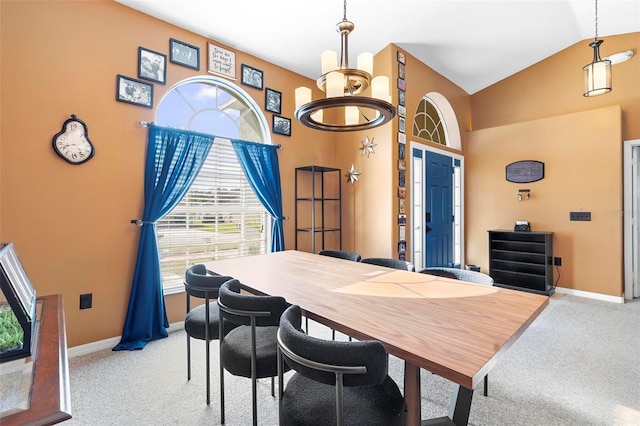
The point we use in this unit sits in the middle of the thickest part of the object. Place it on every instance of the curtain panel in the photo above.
(174, 158)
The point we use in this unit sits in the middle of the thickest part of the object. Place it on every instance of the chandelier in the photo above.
(597, 75)
(342, 86)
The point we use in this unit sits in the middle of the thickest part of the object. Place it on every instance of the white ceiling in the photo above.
(473, 43)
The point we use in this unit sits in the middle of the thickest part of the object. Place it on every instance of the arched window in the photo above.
(220, 216)
(433, 114)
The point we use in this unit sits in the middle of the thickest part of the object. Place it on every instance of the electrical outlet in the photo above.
(580, 216)
(557, 261)
(86, 300)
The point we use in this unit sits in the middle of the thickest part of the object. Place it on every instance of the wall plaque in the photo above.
(525, 171)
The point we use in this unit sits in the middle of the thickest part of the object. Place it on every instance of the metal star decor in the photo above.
(352, 174)
(367, 147)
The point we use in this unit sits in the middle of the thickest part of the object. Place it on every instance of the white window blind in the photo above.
(220, 216)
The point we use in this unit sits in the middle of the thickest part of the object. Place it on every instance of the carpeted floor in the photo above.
(578, 364)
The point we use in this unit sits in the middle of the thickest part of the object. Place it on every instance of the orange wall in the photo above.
(579, 152)
(540, 114)
(71, 224)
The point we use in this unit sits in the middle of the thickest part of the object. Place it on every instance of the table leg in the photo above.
(412, 393)
(458, 410)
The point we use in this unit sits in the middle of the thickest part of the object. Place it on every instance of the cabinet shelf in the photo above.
(522, 260)
(318, 194)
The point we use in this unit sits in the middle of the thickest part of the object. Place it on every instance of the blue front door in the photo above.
(438, 210)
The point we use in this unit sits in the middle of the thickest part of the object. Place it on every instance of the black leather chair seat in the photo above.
(363, 405)
(235, 351)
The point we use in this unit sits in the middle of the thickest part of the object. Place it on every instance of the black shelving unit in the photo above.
(522, 260)
(319, 197)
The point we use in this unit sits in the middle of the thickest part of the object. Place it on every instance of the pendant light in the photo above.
(597, 75)
(343, 87)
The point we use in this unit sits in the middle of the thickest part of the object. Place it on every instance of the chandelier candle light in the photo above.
(597, 75)
(342, 85)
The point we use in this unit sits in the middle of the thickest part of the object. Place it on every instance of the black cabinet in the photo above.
(318, 208)
(522, 260)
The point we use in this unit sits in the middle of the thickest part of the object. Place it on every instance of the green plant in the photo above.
(11, 334)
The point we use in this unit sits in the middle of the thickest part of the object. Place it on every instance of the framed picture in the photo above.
(401, 73)
(184, 54)
(273, 101)
(402, 232)
(402, 138)
(134, 91)
(152, 65)
(252, 77)
(402, 111)
(402, 84)
(402, 192)
(222, 61)
(402, 165)
(402, 219)
(401, 124)
(281, 125)
(402, 246)
(402, 208)
(402, 256)
(402, 178)
(401, 97)
(401, 57)
(401, 151)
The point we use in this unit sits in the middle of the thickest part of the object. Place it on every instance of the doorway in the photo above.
(631, 214)
(437, 211)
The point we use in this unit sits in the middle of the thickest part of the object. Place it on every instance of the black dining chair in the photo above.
(335, 383)
(203, 321)
(462, 275)
(390, 263)
(341, 254)
(250, 349)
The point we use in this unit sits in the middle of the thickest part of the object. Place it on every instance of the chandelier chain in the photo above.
(596, 35)
(345, 11)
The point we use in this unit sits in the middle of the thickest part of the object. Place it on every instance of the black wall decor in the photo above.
(525, 171)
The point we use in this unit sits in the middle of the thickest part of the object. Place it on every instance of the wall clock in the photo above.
(72, 142)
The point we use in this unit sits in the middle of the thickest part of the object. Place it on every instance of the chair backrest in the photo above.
(341, 254)
(390, 263)
(202, 283)
(459, 274)
(241, 308)
(320, 360)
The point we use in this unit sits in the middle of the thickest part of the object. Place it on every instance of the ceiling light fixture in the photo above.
(342, 86)
(597, 75)
(620, 57)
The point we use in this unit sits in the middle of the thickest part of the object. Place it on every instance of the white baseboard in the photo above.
(590, 295)
(101, 345)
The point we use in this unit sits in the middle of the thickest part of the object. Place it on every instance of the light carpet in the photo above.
(577, 364)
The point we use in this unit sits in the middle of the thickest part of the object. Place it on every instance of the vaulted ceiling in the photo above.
(474, 43)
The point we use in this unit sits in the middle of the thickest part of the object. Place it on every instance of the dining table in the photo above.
(455, 329)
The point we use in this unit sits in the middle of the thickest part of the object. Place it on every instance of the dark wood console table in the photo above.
(48, 401)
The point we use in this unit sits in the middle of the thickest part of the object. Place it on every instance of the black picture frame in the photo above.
(152, 65)
(184, 54)
(273, 101)
(281, 125)
(252, 77)
(132, 91)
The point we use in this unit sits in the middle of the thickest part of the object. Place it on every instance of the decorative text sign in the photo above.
(222, 61)
(525, 171)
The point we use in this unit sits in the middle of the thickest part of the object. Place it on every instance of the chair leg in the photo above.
(207, 342)
(188, 357)
(486, 385)
(273, 388)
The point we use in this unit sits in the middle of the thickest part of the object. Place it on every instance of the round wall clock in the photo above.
(72, 142)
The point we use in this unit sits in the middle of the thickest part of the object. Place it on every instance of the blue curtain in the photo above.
(174, 158)
(260, 165)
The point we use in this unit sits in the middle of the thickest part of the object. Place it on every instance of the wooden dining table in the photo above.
(454, 329)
